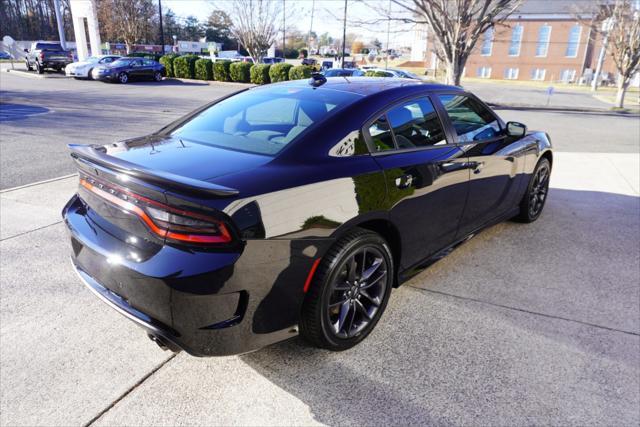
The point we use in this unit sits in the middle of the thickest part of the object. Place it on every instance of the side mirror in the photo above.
(26, 50)
(516, 129)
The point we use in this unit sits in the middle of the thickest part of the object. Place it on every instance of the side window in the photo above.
(380, 134)
(472, 121)
(137, 63)
(147, 63)
(416, 124)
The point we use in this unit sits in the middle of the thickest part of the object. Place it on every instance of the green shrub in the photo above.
(374, 73)
(300, 72)
(184, 66)
(260, 74)
(240, 72)
(167, 61)
(204, 69)
(279, 72)
(221, 71)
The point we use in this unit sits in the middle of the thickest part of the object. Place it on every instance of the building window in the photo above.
(568, 76)
(538, 73)
(484, 72)
(544, 35)
(516, 40)
(574, 41)
(487, 43)
(511, 73)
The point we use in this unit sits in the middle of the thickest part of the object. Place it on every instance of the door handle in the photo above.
(404, 181)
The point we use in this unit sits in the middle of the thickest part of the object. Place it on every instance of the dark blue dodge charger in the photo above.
(294, 208)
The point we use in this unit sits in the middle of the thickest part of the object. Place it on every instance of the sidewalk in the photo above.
(524, 324)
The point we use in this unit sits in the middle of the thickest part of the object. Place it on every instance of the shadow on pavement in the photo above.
(489, 337)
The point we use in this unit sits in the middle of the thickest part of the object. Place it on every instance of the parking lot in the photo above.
(523, 324)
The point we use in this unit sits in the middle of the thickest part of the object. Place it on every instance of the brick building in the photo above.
(543, 40)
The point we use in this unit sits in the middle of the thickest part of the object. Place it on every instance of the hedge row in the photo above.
(194, 67)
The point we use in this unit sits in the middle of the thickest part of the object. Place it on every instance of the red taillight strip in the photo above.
(225, 236)
(307, 282)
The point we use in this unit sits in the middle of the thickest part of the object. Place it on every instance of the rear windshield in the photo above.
(262, 121)
(48, 46)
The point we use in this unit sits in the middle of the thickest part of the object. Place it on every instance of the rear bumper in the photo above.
(206, 303)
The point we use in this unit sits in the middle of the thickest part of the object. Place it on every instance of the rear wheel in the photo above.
(29, 67)
(39, 68)
(536, 196)
(157, 76)
(123, 78)
(89, 76)
(349, 293)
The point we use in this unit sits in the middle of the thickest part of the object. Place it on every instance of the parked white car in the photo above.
(83, 69)
(394, 72)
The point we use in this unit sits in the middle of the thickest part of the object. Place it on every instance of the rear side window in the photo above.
(471, 120)
(413, 124)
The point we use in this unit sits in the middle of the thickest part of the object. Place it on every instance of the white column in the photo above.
(94, 33)
(81, 37)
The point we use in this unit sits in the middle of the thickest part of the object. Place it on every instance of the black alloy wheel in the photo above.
(536, 196)
(349, 292)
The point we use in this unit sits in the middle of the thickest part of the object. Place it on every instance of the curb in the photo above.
(29, 74)
(561, 109)
(33, 184)
(211, 82)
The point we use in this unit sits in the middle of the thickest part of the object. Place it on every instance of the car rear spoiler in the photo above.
(93, 155)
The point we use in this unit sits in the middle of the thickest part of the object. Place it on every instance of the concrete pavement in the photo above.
(524, 324)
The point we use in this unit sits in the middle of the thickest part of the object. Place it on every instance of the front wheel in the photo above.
(349, 292)
(89, 76)
(157, 76)
(536, 196)
(123, 78)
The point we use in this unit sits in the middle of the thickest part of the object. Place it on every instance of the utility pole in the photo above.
(161, 29)
(63, 41)
(606, 26)
(344, 32)
(386, 58)
(284, 27)
(313, 6)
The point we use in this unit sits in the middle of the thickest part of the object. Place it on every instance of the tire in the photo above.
(157, 76)
(89, 76)
(535, 198)
(29, 67)
(123, 78)
(333, 312)
(39, 68)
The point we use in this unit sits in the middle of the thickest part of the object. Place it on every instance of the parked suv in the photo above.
(47, 55)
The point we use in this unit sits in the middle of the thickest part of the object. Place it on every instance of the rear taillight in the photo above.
(164, 221)
(41, 55)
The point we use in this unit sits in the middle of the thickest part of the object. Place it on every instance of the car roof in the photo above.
(365, 86)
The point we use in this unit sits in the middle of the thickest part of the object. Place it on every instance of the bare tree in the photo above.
(456, 26)
(623, 25)
(127, 20)
(254, 25)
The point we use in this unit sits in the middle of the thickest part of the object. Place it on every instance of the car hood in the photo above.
(184, 158)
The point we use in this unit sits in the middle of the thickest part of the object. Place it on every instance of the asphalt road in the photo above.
(39, 117)
(524, 324)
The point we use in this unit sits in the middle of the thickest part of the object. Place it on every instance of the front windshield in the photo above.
(262, 121)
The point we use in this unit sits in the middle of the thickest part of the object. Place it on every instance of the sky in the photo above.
(327, 17)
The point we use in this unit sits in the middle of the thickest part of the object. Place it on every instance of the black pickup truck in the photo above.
(47, 55)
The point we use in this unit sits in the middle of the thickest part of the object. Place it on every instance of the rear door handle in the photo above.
(404, 181)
